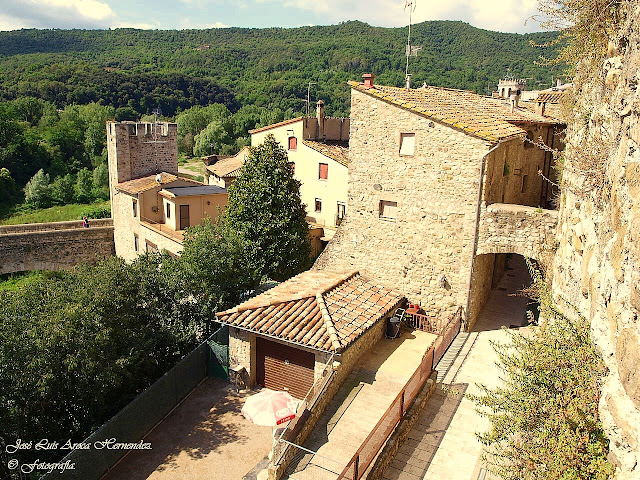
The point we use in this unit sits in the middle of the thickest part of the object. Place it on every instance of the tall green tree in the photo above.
(7, 186)
(266, 211)
(37, 191)
(216, 266)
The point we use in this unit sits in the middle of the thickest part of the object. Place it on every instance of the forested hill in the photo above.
(173, 70)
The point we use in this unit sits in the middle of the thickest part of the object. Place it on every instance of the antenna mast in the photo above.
(411, 51)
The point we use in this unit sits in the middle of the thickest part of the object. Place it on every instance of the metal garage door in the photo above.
(282, 367)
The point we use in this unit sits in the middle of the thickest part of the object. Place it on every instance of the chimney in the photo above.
(408, 81)
(514, 101)
(558, 82)
(368, 79)
(320, 117)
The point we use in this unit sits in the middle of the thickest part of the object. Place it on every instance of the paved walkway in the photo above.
(442, 444)
(359, 404)
(204, 438)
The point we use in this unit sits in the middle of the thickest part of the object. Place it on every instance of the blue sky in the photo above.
(504, 15)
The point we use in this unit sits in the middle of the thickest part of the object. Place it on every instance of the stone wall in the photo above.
(436, 191)
(59, 247)
(51, 226)
(527, 231)
(597, 263)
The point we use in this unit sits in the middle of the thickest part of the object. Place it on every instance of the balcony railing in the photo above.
(162, 228)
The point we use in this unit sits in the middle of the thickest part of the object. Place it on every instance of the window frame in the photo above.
(318, 205)
(295, 143)
(381, 209)
(320, 177)
(403, 136)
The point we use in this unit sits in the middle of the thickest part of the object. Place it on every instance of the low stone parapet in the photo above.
(507, 228)
(54, 246)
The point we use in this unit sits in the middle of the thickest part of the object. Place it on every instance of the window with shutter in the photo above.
(323, 171)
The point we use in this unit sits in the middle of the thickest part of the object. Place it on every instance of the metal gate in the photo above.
(309, 465)
(218, 361)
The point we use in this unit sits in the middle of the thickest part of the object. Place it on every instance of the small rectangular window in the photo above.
(407, 143)
(293, 143)
(388, 209)
(168, 210)
(135, 208)
(151, 247)
(524, 183)
(323, 171)
(136, 242)
(318, 205)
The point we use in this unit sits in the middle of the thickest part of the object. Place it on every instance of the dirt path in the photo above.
(204, 438)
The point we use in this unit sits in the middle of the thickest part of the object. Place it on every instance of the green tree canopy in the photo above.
(37, 191)
(266, 211)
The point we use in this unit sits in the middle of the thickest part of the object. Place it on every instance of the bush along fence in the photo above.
(137, 419)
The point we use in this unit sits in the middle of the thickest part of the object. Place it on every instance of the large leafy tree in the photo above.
(76, 347)
(266, 211)
(216, 267)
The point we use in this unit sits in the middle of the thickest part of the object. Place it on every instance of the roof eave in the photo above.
(280, 339)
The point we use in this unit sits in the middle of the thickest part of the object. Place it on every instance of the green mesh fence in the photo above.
(133, 422)
(218, 344)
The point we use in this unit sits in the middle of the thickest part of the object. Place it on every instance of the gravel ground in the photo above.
(204, 438)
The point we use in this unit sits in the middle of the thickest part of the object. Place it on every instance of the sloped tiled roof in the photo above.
(229, 167)
(142, 184)
(317, 309)
(550, 97)
(274, 125)
(484, 117)
(337, 150)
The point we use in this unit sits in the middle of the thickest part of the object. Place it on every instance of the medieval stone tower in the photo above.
(141, 149)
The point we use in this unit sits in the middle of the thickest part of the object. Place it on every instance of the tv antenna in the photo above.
(309, 96)
(412, 51)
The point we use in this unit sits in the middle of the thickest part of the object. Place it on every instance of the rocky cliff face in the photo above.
(597, 264)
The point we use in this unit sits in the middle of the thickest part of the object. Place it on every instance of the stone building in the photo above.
(284, 337)
(222, 170)
(150, 205)
(318, 151)
(442, 184)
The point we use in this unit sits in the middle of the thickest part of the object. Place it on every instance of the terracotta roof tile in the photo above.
(274, 125)
(337, 150)
(551, 97)
(139, 185)
(229, 167)
(322, 310)
(485, 117)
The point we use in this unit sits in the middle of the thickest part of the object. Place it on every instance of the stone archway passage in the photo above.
(526, 231)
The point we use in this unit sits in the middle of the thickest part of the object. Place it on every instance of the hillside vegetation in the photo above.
(145, 69)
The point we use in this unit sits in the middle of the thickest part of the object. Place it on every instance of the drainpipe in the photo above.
(475, 235)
